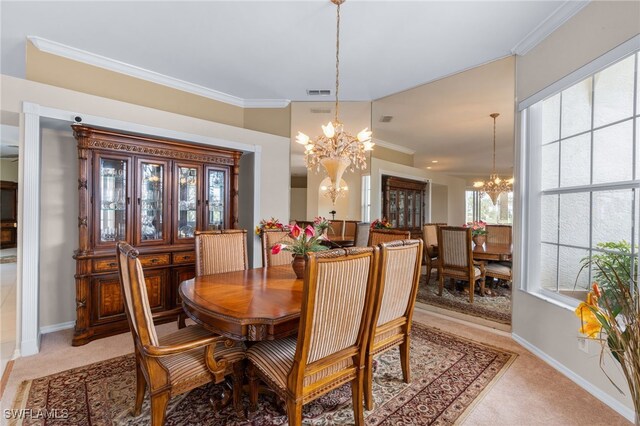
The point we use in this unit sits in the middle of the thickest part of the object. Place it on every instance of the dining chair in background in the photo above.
(327, 352)
(349, 233)
(499, 234)
(219, 251)
(269, 238)
(398, 277)
(430, 238)
(362, 234)
(456, 258)
(377, 236)
(176, 363)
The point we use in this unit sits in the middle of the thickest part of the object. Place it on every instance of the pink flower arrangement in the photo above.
(305, 240)
(381, 224)
(478, 227)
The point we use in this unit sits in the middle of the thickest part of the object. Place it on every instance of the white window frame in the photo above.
(366, 198)
(527, 195)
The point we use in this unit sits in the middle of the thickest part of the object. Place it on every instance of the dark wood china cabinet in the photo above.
(403, 203)
(155, 194)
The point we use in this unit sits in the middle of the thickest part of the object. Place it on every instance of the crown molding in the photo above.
(93, 59)
(561, 15)
(394, 147)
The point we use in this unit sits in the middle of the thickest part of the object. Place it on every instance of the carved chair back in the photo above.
(377, 236)
(499, 234)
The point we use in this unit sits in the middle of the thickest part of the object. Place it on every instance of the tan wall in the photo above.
(391, 155)
(550, 327)
(596, 29)
(59, 177)
(66, 73)
(9, 169)
(298, 204)
(440, 204)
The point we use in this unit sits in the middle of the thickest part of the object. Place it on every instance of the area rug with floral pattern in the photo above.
(449, 375)
(495, 306)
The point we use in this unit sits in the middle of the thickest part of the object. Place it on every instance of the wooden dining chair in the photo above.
(349, 233)
(377, 236)
(430, 238)
(269, 238)
(456, 258)
(335, 229)
(362, 234)
(223, 250)
(499, 270)
(330, 348)
(176, 363)
(398, 277)
(499, 234)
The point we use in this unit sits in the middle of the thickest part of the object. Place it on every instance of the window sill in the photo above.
(556, 299)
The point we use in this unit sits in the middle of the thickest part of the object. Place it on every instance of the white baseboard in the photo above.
(57, 327)
(616, 405)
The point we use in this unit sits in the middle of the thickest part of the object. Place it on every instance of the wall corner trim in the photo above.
(89, 58)
(616, 405)
(394, 146)
(561, 15)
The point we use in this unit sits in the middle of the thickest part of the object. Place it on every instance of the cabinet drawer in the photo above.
(106, 264)
(154, 259)
(184, 257)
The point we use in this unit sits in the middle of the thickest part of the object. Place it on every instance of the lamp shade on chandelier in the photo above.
(495, 185)
(336, 150)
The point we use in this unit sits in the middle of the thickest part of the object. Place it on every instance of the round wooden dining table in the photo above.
(250, 305)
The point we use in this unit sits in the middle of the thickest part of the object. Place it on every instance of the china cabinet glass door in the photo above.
(393, 209)
(152, 201)
(188, 200)
(112, 199)
(216, 193)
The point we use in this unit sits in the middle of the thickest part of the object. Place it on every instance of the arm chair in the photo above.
(331, 344)
(430, 238)
(377, 236)
(398, 278)
(219, 251)
(271, 237)
(176, 363)
(456, 258)
(362, 234)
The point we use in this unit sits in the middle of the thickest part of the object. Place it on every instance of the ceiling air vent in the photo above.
(320, 110)
(318, 92)
(386, 118)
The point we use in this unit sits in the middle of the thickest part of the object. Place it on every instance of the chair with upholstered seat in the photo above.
(398, 278)
(430, 238)
(177, 363)
(498, 234)
(362, 234)
(271, 237)
(499, 270)
(456, 258)
(377, 236)
(332, 336)
(219, 251)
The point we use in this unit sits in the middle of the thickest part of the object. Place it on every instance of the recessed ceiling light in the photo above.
(434, 161)
(429, 167)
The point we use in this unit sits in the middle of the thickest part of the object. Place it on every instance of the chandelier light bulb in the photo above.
(364, 135)
(328, 130)
(368, 146)
(302, 139)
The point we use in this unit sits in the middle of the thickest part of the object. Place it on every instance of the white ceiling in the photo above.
(278, 50)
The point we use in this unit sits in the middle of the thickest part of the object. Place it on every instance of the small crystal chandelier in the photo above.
(495, 185)
(333, 192)
(336, 150)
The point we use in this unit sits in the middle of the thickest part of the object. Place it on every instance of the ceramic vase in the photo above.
(298, 264)
(479, 239)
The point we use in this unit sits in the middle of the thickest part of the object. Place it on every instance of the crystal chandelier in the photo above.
(495, 185)
(336, 150)
(333, 192)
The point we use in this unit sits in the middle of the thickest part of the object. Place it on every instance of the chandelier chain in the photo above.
(337, 56)
(494, 144)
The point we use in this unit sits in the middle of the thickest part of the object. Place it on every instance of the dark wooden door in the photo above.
(9, 214)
